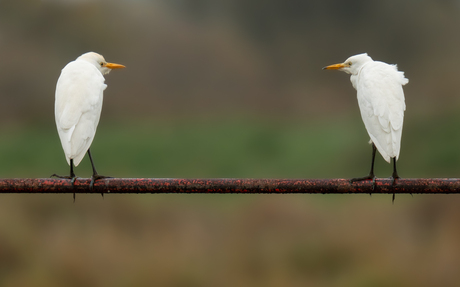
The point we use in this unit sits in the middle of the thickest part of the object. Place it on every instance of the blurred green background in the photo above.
(229, 88)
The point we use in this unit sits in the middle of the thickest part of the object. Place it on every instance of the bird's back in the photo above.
(382, 105)
(78, 104)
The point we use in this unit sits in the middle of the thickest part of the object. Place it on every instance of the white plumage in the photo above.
(78, 105)
(380, 100)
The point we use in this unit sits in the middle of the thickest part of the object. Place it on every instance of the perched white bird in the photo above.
(79, 93)
(381, 101)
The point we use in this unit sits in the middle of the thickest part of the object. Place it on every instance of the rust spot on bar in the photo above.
(229, 185)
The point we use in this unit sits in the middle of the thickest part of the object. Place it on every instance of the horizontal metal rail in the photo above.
(230, 185)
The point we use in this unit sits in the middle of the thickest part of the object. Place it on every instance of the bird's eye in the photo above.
(349, 64)
(102, 64)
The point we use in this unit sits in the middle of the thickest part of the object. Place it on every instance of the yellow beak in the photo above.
(114, 66)
(334, 67)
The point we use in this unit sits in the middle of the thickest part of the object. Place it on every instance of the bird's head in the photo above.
(351, 65)
(99, 62)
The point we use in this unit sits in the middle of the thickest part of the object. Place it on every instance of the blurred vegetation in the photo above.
(220, 88)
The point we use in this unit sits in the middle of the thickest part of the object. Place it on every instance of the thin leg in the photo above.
(95, 175)
(394, 176)
(371, 173)
(71, 176)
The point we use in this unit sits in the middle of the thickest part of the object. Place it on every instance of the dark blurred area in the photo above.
(221, 57)
(229, 88)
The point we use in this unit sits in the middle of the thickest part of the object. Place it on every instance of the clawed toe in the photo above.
(73, 178)
(370, 176)
(93, 180)
(394, 179)
(62, 176)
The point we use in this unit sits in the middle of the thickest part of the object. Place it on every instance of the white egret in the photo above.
(381, 102)
(78, 105)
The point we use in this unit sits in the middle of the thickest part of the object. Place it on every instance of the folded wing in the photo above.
(381, 101)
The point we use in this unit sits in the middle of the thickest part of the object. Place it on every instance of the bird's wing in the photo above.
(381, 101)
(78, 107)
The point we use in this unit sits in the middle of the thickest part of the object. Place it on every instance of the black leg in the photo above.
(71, 176)
(95, 175)
(394, 176)
(371, 173)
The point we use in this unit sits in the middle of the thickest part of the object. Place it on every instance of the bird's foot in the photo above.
(72, 177)
(393, 178)
(370, 176)
(63, 176)
(95, 177)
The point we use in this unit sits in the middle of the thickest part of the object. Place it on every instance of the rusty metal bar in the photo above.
(229, 185)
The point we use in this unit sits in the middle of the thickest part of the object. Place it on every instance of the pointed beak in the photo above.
(334, 67)
(114, 66)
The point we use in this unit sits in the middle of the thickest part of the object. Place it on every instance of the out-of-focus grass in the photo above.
(230, 148)
(336, 147)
